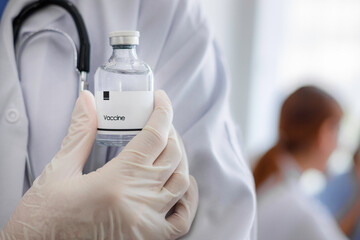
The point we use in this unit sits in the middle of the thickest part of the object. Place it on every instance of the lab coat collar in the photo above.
(38, 21)
(290, 170)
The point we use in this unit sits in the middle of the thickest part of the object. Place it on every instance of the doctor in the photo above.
(308, 129)
(178, 45)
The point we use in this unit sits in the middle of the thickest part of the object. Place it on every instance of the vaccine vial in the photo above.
(124, 92)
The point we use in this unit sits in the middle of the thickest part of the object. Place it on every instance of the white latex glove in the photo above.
(128, 198)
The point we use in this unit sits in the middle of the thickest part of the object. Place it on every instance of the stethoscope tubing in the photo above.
(82, 57)
(83, 63)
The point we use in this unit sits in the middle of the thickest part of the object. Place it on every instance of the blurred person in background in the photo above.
(341, 197)
(308, 130)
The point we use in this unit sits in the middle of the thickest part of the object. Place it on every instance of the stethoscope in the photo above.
(82, 57)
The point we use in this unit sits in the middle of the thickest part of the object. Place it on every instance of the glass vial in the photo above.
(124, 92)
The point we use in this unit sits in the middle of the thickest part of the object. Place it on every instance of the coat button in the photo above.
(12, 115)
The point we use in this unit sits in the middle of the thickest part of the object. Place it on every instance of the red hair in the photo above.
(302, 115)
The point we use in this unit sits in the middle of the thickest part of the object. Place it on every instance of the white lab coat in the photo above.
(177, 44)
(286, 212)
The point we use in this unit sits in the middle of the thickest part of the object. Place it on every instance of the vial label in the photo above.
(123, 112)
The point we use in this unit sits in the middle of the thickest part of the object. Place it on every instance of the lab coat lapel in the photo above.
(13, 118)
(13, 124)
(42, 19)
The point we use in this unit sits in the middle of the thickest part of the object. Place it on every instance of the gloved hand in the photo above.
(128, 198)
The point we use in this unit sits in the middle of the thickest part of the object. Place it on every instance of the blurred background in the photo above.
(272, 48)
